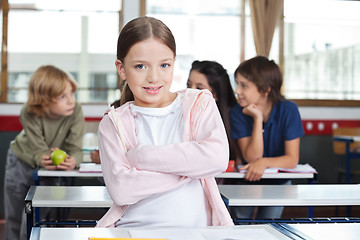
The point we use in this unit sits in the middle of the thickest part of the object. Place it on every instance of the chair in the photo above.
(345, 146)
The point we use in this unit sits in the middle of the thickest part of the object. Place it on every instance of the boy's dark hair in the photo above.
(265, 74)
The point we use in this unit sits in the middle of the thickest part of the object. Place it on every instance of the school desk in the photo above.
(308, 231)
(64, 196)
(291, 195)
(323, 231)
(235, 195)
(95, 173)
(348, 154)
(71, 173)
(249, 232)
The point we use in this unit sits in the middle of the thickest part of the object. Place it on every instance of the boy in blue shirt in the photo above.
(266, 126)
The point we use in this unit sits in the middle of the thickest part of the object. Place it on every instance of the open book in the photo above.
(300, 168)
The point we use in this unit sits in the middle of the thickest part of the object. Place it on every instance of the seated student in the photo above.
(266, 126)
(212, 76)
(51, 119)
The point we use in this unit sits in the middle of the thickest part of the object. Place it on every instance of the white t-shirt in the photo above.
(183, 206)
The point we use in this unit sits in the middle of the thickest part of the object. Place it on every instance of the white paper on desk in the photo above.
(202, 234)
(268, 170)
(238, 234)
(300, 168)
(90, 168)
(171, 234)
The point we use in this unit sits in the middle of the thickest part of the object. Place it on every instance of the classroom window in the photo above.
(77, 36)
(206, 30)
(321, 43)
(322, 49)
(201, 30)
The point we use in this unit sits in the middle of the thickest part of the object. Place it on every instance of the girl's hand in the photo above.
(255, 170)
(253, 111)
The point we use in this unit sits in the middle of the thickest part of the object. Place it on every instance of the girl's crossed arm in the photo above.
(205, 156)
(125, 183)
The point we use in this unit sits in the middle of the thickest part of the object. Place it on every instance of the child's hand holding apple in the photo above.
(58, 159)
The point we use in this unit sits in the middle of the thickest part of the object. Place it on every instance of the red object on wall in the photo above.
(325, 127)
(12, 123)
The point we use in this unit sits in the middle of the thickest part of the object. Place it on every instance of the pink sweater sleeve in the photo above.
(205, 154)
(126, 184)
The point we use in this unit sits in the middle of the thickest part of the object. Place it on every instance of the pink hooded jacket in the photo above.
(133, 172)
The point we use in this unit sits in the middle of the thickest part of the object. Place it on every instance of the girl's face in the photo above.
(63, 104)
(148, 68)
(248, 93)
(199, 81)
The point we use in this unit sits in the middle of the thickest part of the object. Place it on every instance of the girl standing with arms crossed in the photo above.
(51, 119)
(266, 125)
(160, 150)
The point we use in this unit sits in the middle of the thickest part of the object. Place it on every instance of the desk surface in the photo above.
(292, 195)
(345, 137)
(71, 173)
(71, 196)
(210, 233)
(76, 173)
(329, 231)
(280, 175)
(238, 195)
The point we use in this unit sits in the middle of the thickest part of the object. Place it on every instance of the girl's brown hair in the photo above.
(265, 74)
(46, 84)
(137, 30)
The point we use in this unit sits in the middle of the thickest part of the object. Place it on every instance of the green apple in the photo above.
(58, 156)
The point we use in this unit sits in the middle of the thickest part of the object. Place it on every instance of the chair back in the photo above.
(339, 147)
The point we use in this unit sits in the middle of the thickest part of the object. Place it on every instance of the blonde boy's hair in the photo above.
(46, 84)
